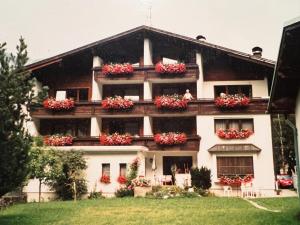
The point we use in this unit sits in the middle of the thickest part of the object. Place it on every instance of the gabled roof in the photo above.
(231, 52)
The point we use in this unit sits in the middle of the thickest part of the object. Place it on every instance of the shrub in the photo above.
(201, 178)
(95, 195)
(124, 192)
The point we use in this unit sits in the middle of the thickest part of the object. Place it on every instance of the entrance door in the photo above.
(183, 164)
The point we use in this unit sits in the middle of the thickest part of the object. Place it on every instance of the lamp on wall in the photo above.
(150, 160)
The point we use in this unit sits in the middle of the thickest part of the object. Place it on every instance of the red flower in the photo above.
(105, 179)
(171, 102)
(58, 140)
(122, 179)
(170, 68)
(170, 138)
(232, 101)
(115, 139)
(117, 102)
(114, 69)
(237, 181)
(234, 134)
(53, 104)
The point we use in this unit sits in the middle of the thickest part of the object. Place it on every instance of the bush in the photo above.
(95, 195)
(124, 192)
(201, 178)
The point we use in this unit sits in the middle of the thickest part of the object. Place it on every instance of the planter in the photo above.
(141, 191)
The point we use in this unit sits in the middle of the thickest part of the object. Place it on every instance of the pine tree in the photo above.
(15, 96)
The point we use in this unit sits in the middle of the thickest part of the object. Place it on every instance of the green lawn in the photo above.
(209, 210)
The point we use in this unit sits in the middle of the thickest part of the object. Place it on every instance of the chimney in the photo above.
(257, 51)
(200, 38)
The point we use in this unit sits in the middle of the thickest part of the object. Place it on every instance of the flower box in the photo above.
(117, 69)
(176, 68)
(105, 179)
(170, 138)
(234, 134)
(122, 180)
(115, 139)
(117, 102)
(235, 181)
(232, 101)
(170, 102)
(58, 140)
(53, 104)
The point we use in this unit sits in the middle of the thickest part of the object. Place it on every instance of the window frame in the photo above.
(232, 119)
(219, 174)
(102, 169)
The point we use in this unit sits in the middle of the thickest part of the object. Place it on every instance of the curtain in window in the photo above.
(220, 124)
(234, 124)
(106, 169)
(247, 124)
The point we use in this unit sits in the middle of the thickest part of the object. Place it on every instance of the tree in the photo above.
(67, 179)
(15, 97)
(201, 178)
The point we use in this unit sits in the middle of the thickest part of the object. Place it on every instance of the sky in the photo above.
(51, 27)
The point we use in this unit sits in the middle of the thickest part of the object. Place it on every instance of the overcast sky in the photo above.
(51, 27)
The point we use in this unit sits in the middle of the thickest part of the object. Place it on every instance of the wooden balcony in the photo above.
(142, 74)
(192, 143)
(142, 108)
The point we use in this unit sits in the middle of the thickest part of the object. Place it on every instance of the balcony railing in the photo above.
(141, 108)
(147, 73)
(192, 143)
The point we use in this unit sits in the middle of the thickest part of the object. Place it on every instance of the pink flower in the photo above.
(170, 68)
(117, 69)
(170, 138)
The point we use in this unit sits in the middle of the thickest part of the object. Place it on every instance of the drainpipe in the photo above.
(293, 127)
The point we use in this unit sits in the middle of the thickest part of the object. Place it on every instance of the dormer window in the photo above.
(233, 89)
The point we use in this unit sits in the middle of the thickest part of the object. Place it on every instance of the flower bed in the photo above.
(58, 140)
(176, 68)
(115, 139)
(53, 104)
(234, 134)
(235, 181)
(122, 179)
(117, 69)
(170, 138)
(140, 182)
(105, 179)
(232, 101)
(117, 102)
(171, 102)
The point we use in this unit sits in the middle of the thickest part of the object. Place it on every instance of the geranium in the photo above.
(234, 134)
(53, 104)
(232, 101)
(105, 179)
(170, 68)
(113, 69)
(171, 102)
(122, 179)
(58, 140)
(140, 182)
(170, 138)
(115, 139)
(117, 102)
(236, 180)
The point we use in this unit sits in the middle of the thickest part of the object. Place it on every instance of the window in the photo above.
(106, 169)
(237, 124)
(233, 89)
(80, 94)
(134, 92)
(74, 127)
(183, 164)
(131, 126)
(171, 124)
(123, 169)
(232, 166)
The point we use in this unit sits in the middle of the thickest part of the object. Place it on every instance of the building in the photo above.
(210, 71)
(285, 91)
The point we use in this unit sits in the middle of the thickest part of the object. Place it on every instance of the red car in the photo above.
(284, 181)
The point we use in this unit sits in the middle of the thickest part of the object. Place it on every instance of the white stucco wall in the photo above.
(263, 161)
(259, 87)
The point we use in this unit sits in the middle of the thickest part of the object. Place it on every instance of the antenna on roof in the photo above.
(148, 6)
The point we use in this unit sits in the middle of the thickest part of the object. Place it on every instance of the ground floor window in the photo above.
(232, 166)
(123, 169)
(183, 164)
(106, 169)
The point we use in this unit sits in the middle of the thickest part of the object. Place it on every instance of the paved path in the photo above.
(260, 207)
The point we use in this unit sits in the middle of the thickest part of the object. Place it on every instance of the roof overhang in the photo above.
(286, 78)
(232, 148)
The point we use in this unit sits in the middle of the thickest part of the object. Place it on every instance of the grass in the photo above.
(207, 211)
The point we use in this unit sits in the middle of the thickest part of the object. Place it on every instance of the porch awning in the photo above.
(234, 148)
